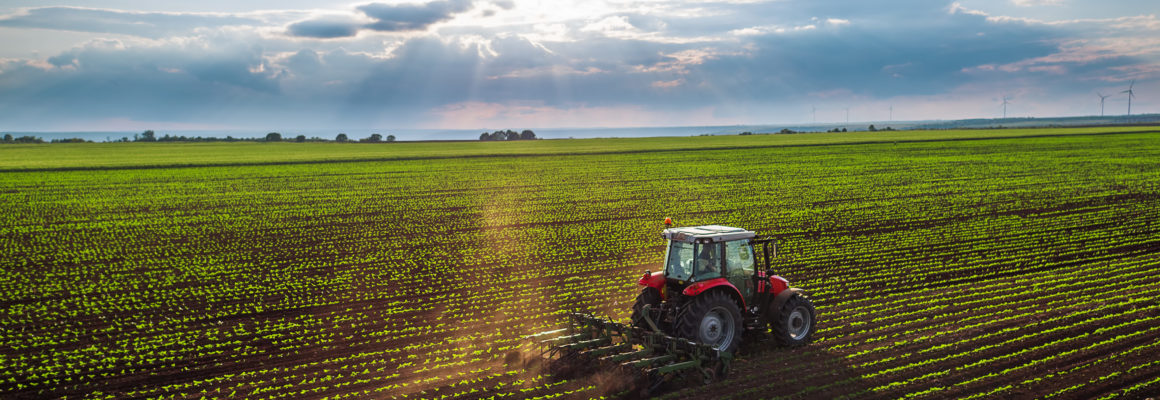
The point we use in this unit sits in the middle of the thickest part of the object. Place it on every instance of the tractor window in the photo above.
(739, 258)
(679, 264)
(707, 265)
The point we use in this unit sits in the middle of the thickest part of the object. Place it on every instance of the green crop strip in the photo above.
(960, 263)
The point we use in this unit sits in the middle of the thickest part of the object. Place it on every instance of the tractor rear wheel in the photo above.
(795, 323)
(713, 319)
(651, 297)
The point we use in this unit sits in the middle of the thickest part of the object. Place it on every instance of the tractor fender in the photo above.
(655, 280)
(722, 283)
(777, 284)
(780, 299)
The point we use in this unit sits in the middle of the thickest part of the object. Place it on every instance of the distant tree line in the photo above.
(509, 134)
(870, 128)
(786, 131)
(150, 136)
(373, 138)
(33, 139)
(23, 139)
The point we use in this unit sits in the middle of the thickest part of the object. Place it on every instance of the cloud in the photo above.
(324, 28)
(305, 61)
(957, 8)
(764, 30)
(640, 27)
(382, 18)
(1031, 3)
(411, 17)
(144, 24)
(668, 84)
(873, 60)
(612, 26)
(178, 82)
(730, 62)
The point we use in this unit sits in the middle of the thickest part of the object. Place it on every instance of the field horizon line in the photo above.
(564, 153)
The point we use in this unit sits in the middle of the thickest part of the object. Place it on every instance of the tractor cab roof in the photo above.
(707, 234)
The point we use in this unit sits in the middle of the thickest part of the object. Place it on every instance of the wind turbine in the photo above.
(1005, 102)
(1102, 97)
(891, 113)
(1131, 94)
(847, 116)
(814, 111)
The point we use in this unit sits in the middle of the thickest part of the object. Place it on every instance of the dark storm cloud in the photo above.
(411, 17)
(324, 28)
(386, 18)
(145, 24)
(861, 49)
(104, 80)
(880, 61)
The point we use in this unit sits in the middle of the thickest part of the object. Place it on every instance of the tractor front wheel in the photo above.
(651, 297)
(713, 319)
(795, 322)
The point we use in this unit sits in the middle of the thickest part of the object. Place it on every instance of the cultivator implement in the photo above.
(652, 357)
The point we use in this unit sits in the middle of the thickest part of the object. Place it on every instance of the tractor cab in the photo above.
(702, 253)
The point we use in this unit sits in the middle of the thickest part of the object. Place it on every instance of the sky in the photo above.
(94, 65)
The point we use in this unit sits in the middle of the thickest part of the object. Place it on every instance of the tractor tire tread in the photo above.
(779, 328)
(688, 321)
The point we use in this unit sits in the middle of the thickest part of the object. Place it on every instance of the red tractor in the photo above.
(712, 290)
(691, 316)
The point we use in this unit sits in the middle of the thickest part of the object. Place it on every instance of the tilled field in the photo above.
(990, 268)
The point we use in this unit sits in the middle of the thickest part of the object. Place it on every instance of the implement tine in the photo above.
(600, 351)
(592, 342)
(569, 338)
(545, 333)
(618, 358)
